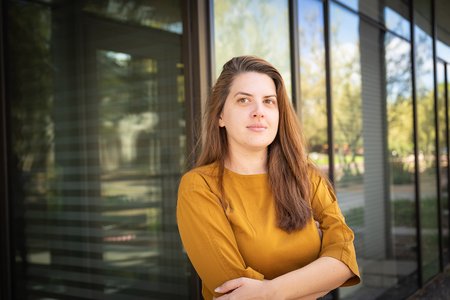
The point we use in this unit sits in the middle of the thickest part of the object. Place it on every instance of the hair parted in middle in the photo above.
(287, 164)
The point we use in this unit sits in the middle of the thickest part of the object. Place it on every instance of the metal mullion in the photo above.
(295, 55)
(197, 72)
(329, 105)
(189, 38)
(416, 148)
(436, 124)
(211, 44)
(447, 140)
(5, 241)
(194, 13)
(442, 60)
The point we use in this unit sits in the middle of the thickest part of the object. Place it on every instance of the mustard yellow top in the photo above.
(244, 240)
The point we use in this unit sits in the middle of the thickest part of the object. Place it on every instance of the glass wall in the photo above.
(347, 120)
(400, 151)
(312, 103)
(97, 148)
(252, 27)
(426, 135)
(396, 18)
(374, 147)
(97, 135)
(401, 166)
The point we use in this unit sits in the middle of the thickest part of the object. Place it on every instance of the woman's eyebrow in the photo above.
(247, 94)
(242, 93)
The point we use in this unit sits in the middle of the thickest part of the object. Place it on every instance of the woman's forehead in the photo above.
(253, 83)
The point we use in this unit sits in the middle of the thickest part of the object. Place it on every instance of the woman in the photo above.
(246, 212)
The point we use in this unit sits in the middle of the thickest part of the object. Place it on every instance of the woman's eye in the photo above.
(243, 100)
(270, 101)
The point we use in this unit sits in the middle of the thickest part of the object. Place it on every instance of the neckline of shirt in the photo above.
(244, 175)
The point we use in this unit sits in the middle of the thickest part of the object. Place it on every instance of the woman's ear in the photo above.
(221, 122)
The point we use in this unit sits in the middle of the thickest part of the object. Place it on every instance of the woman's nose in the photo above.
(258, 112)
(258, 115)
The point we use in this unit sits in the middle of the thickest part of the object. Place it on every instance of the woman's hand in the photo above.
(246, 289)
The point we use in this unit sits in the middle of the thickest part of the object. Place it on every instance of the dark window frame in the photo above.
(5, 252)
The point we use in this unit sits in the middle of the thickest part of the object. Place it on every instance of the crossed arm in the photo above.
(320, 276)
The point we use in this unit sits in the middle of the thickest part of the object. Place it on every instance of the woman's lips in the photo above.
(257, 128)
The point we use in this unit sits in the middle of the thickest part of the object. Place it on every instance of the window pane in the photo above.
(367, 7)
(396, 17)
(442, 33)
(97, 148)
(401, 168)
(426, 139)
(443, 51)
(348, 125)
(252, 27)
(165, 15)
(312, 80)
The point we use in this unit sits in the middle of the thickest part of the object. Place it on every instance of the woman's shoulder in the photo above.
(317, 177)
(210, 170)
(200, 176)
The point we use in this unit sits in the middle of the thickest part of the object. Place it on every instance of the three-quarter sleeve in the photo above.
(337, 239)
(207, 235)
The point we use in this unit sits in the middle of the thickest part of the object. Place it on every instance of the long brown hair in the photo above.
(287, 163)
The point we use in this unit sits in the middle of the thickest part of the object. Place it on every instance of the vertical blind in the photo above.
(96, 91)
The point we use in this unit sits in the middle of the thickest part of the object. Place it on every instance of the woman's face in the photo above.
(250, 114)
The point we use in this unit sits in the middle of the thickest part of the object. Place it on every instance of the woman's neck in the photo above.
(247, 163)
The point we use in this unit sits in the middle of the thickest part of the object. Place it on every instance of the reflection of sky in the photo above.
(396, 23)
(261, 28)
(398, 68)
(440, 73)
(310, 15)
(448, 74)
(121, 59)
(344, 25)
(351, 3)
(443, 51)
(424, 60)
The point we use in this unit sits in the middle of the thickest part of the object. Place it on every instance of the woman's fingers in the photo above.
(229, 285)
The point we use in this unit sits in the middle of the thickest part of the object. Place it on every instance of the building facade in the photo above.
(101, 101)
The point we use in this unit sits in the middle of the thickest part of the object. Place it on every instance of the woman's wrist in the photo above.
(273, 290)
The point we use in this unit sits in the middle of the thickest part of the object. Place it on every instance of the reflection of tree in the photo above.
(252, 27)
(425, 99)
(29, 91)
(312, 65)
(348, 126)
(347, 115)
(127, 110)
(30, 64)
(399, 108)
(158, 14)
(399, 102)
(346, 81)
